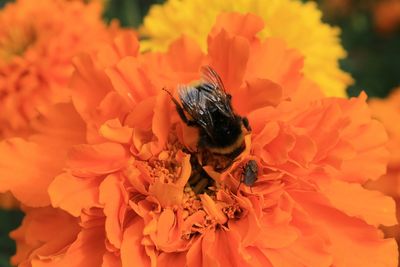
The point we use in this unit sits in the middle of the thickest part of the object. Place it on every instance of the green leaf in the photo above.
(9, 220)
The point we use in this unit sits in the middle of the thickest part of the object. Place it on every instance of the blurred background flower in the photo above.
(387, 111)
(37, 42)
(371, 37)
(299, 24)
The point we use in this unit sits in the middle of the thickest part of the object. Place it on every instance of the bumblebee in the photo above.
(209, 107)
(250, 173)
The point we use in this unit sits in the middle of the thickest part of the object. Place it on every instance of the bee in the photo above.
(199, 180)
(250, 173)
(209, 107)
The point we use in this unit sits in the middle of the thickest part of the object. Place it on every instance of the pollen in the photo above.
(165, 171)
(165, 167)
(191, 202)
(202, 202)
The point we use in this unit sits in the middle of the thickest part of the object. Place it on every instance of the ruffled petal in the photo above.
(87, 160)
(353, 242)
(18, 169)
(371, 206)
(228, 55)
(115, 201)
(132, 251)
(42, 157)
(247, 25)
(73, 194)
(45, 232)
(263, 92)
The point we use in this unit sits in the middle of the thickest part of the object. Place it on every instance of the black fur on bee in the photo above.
(209, 107)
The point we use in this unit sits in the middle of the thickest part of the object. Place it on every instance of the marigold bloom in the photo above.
(46, 230)
(387, 111)
(299, 24)
(131, 184)
(37, 41)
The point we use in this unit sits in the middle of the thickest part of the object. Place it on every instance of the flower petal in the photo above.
(22, 162)
(304, 252)
(87, 160)
(133, 252)
(228, 56)
(213, 209)
(130, 81)
(28, 167)
(273, 60)
(44, 232)
(245, 25)
(90, 241)
(115, 200)
(189, 63)
(263, 93)
(73, 194)
(223, 248)
(111, 260)
(161, 123)
(172, 259)
(86, 77)
(353, 242)
(371, 206)
(168, 195)
(113, 131)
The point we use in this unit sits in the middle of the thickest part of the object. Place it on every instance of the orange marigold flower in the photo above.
(47, 231)
(142, 200)
(37, 41)
(387, 111)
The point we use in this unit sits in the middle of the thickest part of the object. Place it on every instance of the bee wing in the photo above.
(210, 76)
(214, 90)
(196, 103)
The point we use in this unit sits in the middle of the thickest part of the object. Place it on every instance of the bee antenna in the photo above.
(173, 99)
(168, 92)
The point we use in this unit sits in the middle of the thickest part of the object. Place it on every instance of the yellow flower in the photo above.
(299, 24)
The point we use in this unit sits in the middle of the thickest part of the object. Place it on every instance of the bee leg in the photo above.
(180, 111)
(181, 114)
(194, 178)
(187, 151)
(246, 123)
(200, 186)
(229, 164)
